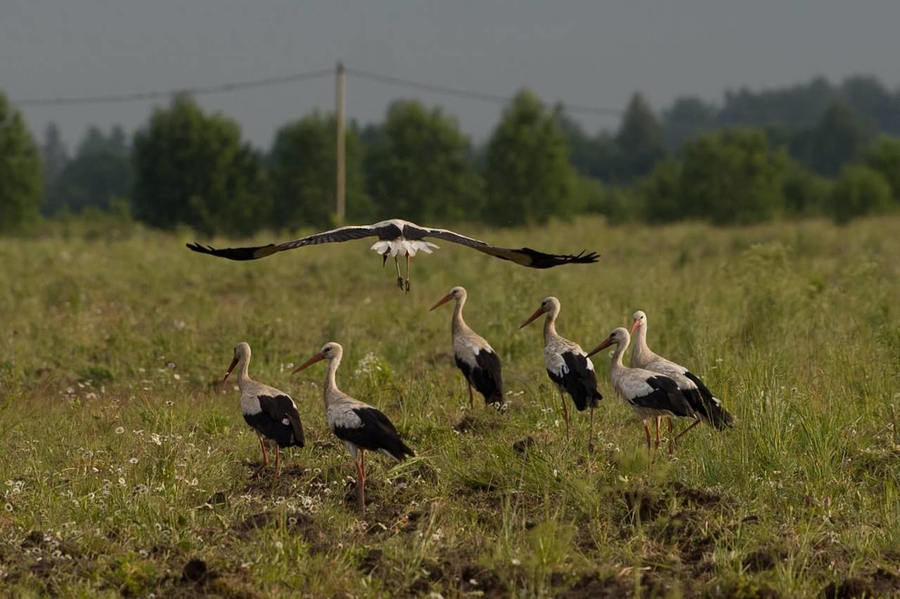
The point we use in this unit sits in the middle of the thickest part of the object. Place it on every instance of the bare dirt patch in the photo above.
(596, 586)
(880, 583)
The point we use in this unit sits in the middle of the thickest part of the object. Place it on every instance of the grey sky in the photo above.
(593, 53)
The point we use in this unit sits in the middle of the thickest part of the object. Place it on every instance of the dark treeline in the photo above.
(809, 150)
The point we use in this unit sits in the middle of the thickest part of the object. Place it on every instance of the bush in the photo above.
(859, 191)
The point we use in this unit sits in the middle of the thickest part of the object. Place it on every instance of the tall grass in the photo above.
(121, 460)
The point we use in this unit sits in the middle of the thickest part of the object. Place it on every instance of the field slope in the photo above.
(123, 466)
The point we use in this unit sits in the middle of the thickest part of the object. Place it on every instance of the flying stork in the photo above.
(708, 407)
(568, 366)
(359, 425)
(649, 394)
(398, 237)
(474, 356)
(271, 413)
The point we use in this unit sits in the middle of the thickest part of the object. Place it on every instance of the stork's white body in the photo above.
(705, 404)
(357, 424)
(568, 366)
(649, 394)
(271, 412)
(474, 356)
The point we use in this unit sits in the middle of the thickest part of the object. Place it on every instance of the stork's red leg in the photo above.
(471, 398)
(671, 438)
(591, 433)
(277, 460)
(658, 419)
(265, 454)
(399, 276)
(361, 482)
(647, 431)
(407, 272)
(565, 412)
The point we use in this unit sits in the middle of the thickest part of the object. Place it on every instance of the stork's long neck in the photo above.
(617, 357)
(617, 370)
(243, 375)
(458, 324)
(550, 326)
(330, 379)
(640, 352)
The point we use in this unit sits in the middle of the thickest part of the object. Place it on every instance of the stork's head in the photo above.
(619, 336)
(549, 305)
(329, 351)
(639, 319)
(241, 352)
(457, 293)
(332, 350)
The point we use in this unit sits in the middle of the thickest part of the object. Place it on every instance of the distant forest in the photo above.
(813, 149)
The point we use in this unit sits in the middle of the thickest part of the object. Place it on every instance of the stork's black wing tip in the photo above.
(542, 260)
(250, 253)
(196, 247)
(582, 258)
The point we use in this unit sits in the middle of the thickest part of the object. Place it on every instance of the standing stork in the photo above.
(474, 356)
(271, 413)
(359, 425)
(708, 407)
(649, 394)
(398, 237)
(568, 366)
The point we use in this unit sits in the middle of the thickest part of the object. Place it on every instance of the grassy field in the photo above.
(124, 469)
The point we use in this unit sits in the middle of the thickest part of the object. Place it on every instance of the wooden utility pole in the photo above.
(341, 147)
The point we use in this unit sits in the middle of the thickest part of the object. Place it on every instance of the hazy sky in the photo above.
(582, 52)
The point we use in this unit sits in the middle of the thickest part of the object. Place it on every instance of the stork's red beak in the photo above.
(443, 301)
(316, 358)
(532, 318)
(231, 366)
(603, 345)
(635, 325)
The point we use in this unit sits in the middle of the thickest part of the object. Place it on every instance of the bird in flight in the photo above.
(396, 238)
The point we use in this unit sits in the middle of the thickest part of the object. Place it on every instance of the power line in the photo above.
(123, 98)
(154, 95)
(470, 94)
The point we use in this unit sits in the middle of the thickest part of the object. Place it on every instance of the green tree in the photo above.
(54, 154)
(639, 140)
(420, 167)
(869, 97)
(732, 177)
(101, 171)
(528, 173)
(884, 157)
(302, 172)
(192, 168)
(838, 138)
(21, 185)
(660, 193)
(797, 105)
(859, 191)
(687, 118)
(591, 156)
(805, 192)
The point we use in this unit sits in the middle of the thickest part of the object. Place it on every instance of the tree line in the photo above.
(809, 150)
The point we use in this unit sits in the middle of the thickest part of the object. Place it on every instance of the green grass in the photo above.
(121, 460)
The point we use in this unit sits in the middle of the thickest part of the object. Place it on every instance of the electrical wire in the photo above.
(154, 95)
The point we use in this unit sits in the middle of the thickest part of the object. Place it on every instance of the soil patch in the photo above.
(880, 583)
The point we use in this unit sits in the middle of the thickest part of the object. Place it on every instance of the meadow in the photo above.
(124, 467)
